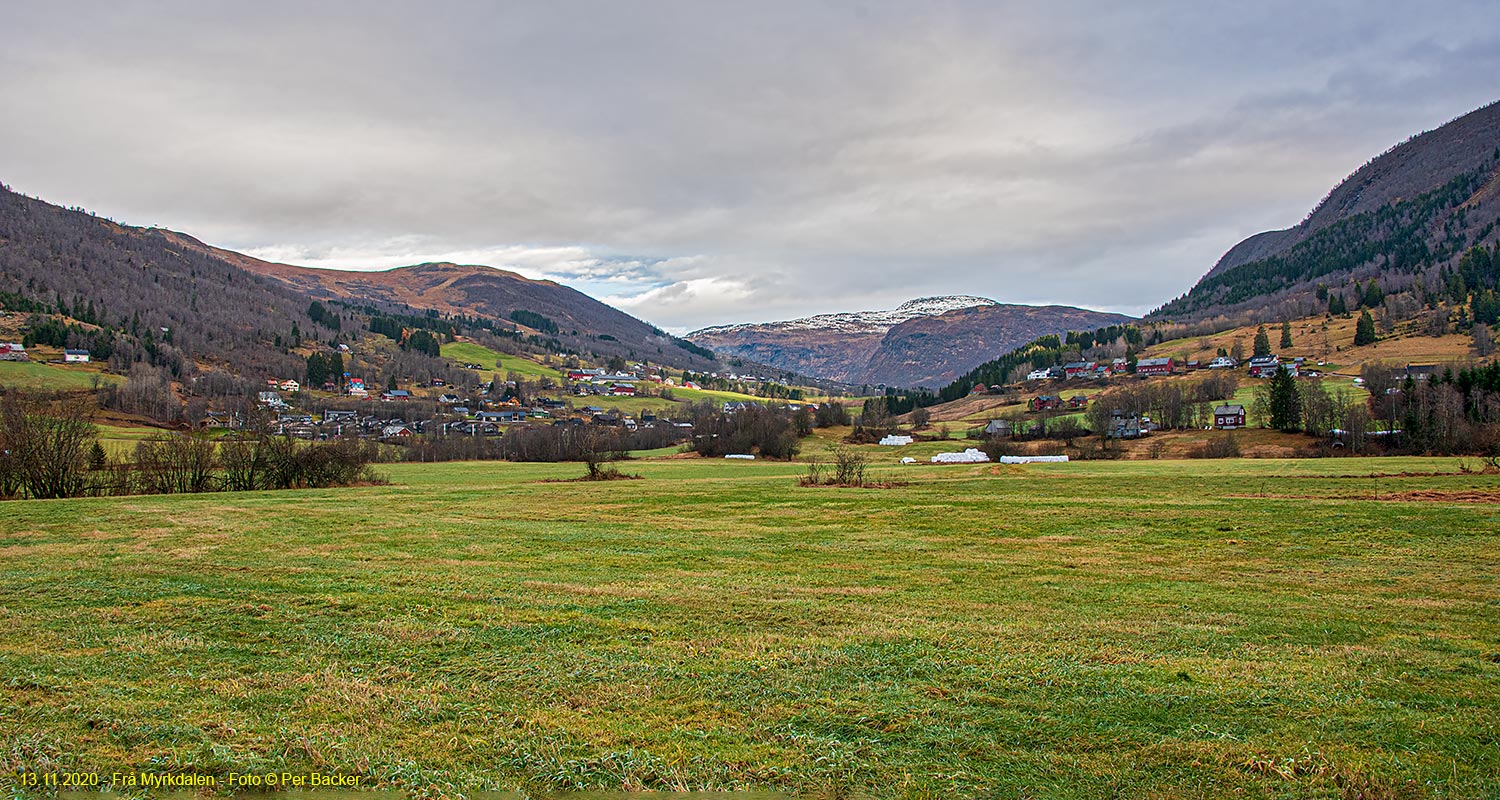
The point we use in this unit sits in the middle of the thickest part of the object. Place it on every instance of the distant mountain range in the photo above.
(923, 342)
(1402, 216)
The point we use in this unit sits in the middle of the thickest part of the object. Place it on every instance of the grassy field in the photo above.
(35, 376)
(1260, 628)
(492, 361)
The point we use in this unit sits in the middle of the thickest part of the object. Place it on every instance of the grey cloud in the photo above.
(705, 163)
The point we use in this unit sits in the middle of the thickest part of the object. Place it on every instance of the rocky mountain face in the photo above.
(1403, 215)
(832, 346)
(923, 342)
(933, 350)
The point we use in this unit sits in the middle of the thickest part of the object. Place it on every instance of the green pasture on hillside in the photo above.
(1248, 628)
(36, 376)
(492, 361)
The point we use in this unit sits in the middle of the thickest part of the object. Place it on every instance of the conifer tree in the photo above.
(1285, 402)
(1364, 330)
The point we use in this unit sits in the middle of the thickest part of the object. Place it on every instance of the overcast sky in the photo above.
(697, 163)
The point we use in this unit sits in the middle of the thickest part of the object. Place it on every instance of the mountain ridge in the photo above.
(1402, 217)
(922, 342)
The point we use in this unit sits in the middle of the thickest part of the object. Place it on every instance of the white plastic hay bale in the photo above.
(908, 460)
(744, 456)
(1033, 459)
(969, 456)
(896, 441)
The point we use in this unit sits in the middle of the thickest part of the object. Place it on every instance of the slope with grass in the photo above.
(1329, 339)
(41, 377)
(494, 361)
(1168, 629)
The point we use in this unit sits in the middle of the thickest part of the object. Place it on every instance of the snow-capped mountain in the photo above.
(856, 320)
(927, 341)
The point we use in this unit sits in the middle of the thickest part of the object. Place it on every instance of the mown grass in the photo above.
(1159, 629)
(35, 376)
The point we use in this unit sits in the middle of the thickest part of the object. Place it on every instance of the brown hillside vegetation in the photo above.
(1330, 339)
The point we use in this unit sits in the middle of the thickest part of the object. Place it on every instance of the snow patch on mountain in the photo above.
(861, 320)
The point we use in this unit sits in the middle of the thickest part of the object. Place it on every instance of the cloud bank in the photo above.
(701, 164)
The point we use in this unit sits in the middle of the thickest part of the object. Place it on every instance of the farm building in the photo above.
(76, 356)
(1154, 366)
(1229, 417)
(1045, 402)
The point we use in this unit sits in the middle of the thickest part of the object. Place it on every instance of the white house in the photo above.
(76, 356)
(290, 385)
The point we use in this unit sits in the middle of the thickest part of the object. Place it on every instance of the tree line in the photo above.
(50, 448)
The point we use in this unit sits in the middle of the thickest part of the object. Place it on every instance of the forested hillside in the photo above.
(135, 297)
(1401, 219)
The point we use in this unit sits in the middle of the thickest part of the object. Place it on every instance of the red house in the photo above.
(1154, 366)
(1046, 402)
(1229, 417)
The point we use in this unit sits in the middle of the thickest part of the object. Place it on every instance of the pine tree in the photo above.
(1262, 342)
(1285, 402)
(1336, 305)
(98, 459)
(1364, 330)
(1286, 335)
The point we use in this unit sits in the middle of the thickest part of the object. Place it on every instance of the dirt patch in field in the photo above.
(1418, 496)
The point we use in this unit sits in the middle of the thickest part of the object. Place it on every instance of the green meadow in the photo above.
(1249, 628)
(38, 376)
(493, 361)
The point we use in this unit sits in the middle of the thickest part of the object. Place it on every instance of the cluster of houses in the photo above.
(343, 423)
(1053, 402)
(1259, 367)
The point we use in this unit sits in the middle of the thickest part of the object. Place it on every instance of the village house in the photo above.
(1119, 366)
(1078, 401)
(1078, 369)
(270, 400)
(395, 394)
(1264, 366)
(1123, 426)
(1045, 402)
(1039, 375)
(1418, 372)
(1229, 417)
(76, 356)
(13, 351)
(1154, 366)
(221, 419)
(290, 385)
(449, 399)
(997, 427)
(1223, 362)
